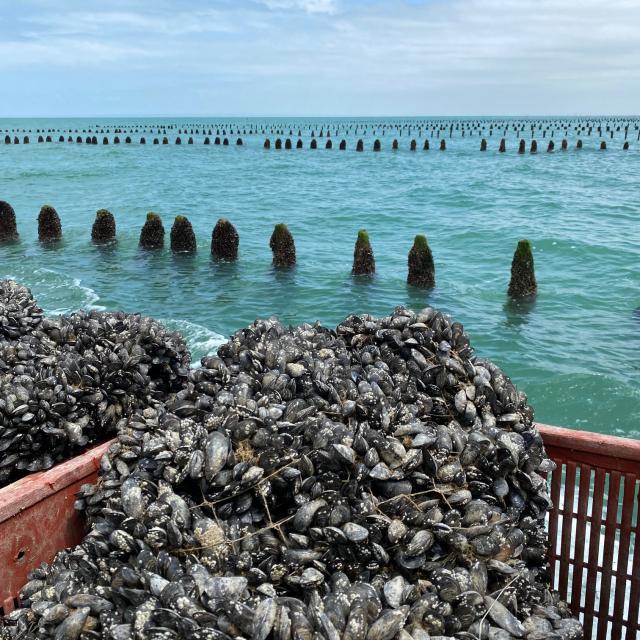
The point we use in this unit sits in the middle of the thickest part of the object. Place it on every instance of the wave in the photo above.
(200, 340)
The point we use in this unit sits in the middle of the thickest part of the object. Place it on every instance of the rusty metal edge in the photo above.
(590, 442)
(36, 487)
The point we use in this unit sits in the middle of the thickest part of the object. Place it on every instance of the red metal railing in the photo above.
(594, 526)
(594, 529)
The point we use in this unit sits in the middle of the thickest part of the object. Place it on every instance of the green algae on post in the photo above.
(8, 226)
(49, 227)
(104, 227)
(282, 246)
(523, 279)
(363, 261)
(224, 241)
(422, 271)
(183, 239)
(152, 234)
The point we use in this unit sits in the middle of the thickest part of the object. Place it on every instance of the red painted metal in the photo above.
(609, 519)
(37, 519)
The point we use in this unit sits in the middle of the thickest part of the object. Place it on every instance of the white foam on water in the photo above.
(91, 296)
(88, 296)
(200, 340)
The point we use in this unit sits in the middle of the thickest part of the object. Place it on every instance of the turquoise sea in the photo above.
(575, 351)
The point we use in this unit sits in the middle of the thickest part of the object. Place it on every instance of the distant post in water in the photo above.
(422, 272)
(603, 146)
(224, 241)
(483, 145)
(360, 145)
(376, 145)
(503, 146)
(522, 146)
(49, 227)
(523, 279)
(8, 226)
(443, 145)
(183, 239)
(104, 227)
(579, 144)
(363, 261)
(152, 234)
(282, 246)
(534, 146)
(551, 147)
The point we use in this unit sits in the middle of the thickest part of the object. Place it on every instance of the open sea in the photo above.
(575, 351)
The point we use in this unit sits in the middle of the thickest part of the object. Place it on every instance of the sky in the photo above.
(319, 57)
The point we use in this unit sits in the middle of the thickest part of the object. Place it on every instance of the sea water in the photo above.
(575, 351)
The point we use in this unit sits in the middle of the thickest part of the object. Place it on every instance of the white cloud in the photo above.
(310, 6)
(112, 22)
(384, 56)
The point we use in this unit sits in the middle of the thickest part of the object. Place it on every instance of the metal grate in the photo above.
(594, 528)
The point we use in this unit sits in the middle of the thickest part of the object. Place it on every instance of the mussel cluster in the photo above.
(66, 381)
(372, 482)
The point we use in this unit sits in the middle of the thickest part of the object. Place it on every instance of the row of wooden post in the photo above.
(225, 242)
(288, 144)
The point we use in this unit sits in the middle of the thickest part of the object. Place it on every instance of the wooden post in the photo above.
(363, 261)
(104, 227)
(282, 246)
(224, 241)
(523, 280)
(8, 226)
(152, 234)
(49, 227)
(183, 239)
(422, 271)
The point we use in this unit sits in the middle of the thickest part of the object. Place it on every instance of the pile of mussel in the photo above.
(66, 381)
(372, 482)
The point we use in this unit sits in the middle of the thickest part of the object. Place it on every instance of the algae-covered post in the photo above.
(183, 239)
(8, 226)
(282, 246)
(579, 144)
(422, 271)
(224, 241)
(363, 261)
(522, 146)
(443, 145)
(49, 227)
(503, 146)
(376, 145)
(523, 279)
(483, 145)
(152, 234)
(104, 227)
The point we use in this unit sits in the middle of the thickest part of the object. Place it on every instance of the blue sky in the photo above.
(319, 57)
